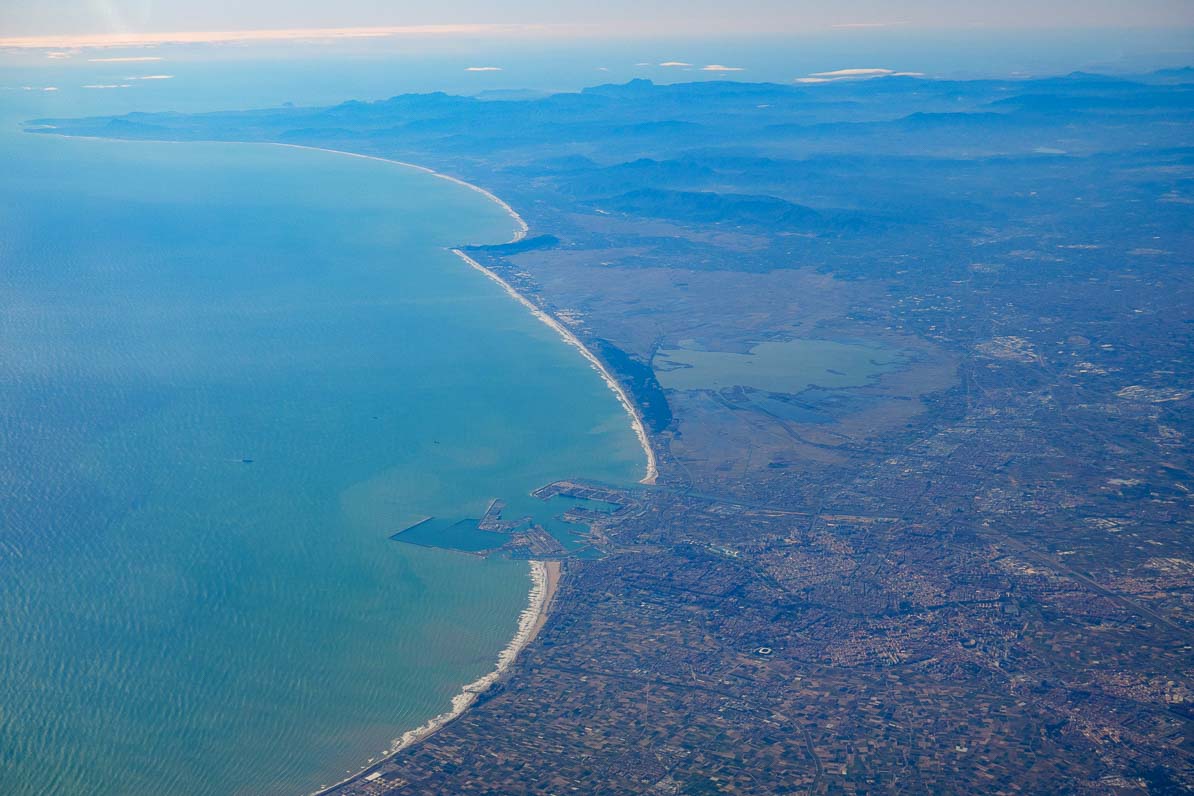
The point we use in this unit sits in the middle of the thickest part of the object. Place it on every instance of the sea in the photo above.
(228, 374)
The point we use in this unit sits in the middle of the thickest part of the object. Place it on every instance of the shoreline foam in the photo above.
(545, 578)
(528, 626)
(545, 575)
(523, 228)
(636, 420)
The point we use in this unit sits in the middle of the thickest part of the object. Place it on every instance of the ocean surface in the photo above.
(227, 374)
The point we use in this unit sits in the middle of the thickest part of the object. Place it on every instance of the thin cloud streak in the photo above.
(853, 73)
(720, 68)
(232, 36)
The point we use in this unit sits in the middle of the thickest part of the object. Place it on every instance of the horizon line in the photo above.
(104, 40)
(80, 41)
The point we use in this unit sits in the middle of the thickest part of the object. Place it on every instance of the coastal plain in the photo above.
(954, 556)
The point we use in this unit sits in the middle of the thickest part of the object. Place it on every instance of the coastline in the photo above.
(545, 575)
(545, 581)
(532, 618)
(523, 228)
(636, 420)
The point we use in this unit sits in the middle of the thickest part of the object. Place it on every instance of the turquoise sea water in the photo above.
(227, 374)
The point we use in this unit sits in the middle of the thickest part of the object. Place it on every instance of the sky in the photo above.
(564, 18)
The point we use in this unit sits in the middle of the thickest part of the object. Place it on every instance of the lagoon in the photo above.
(777, 366)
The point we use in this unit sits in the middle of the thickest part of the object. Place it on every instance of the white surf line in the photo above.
(636, 420)
(537, 603)
(522, 225)
(538, 598)
(652, 470)
(510, 211)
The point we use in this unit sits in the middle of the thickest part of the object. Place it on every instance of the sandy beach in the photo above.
(522, 225)
(545, 580)
(636, 421)
(532, 618)
(553, 572)
(545, 575)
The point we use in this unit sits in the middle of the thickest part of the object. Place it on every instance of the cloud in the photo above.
(281, 34)
(58, 54)
(151, 77)
(853, 73)
(674, 63)
(720, 68)
(107, 85)
(125, 59)
(643, 63)
(603, 69)
(483, 69)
